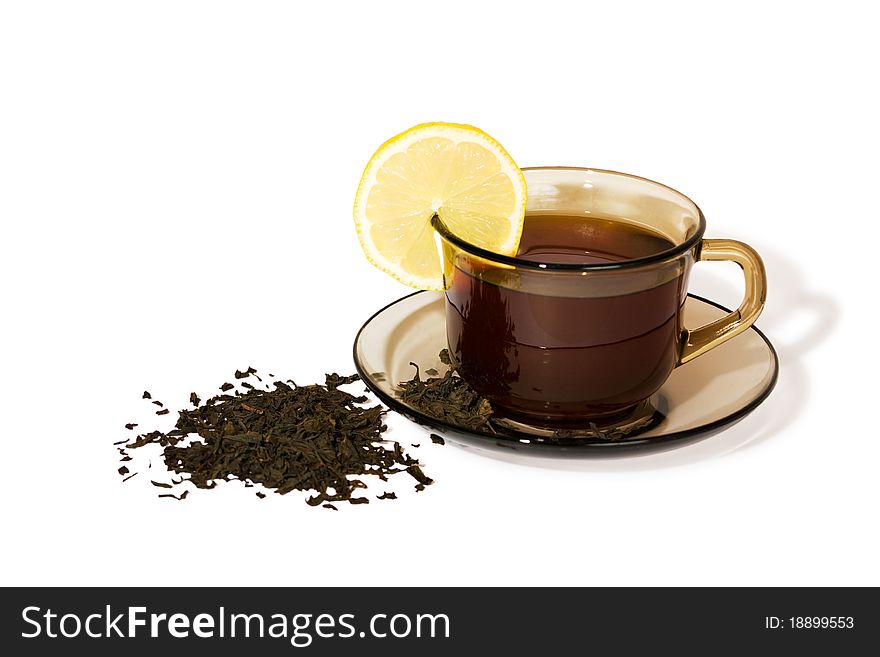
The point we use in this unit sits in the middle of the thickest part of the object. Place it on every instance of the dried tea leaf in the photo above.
(146, 395)
(194, 399)
(419, 476)
(437, 440)
(164, 411)
(387, 496)
(182, 496)
(334, 380)
(129, 426)
(226, 386)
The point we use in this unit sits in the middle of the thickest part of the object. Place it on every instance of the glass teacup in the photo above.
(552, 343)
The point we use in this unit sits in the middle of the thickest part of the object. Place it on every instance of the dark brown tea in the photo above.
(554, 239)
(561, 352)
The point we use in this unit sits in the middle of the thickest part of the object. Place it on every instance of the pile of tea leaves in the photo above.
(447, 397)
(283, 436)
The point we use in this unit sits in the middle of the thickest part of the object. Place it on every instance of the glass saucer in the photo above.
(698, 400)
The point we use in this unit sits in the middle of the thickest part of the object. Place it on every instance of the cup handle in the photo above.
(698, 341)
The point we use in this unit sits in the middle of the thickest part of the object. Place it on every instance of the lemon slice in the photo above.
(456, 171)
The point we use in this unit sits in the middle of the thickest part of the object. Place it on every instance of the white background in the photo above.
(176, 182)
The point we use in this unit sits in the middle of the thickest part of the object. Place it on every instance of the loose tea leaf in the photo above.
(182, 496)
(387, 496)
(194, 399)
(164, 411)
(437, 440)
(129, 426)
(243, 375)
(419, 476)
(158, 403)
(334, 380)
(146, 395)
(310, 438)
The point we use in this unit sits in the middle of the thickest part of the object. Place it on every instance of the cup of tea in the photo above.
(585, 323)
